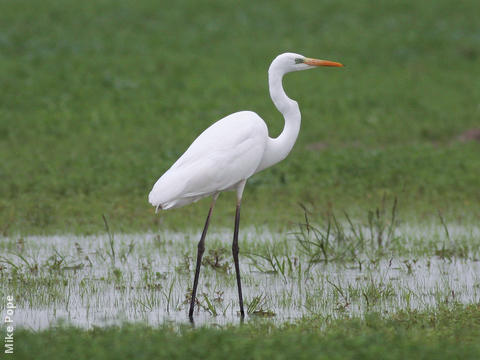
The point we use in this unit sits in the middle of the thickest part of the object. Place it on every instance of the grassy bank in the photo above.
(100, 98)
(449, 333)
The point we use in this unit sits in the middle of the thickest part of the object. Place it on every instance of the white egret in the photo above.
(231, 150)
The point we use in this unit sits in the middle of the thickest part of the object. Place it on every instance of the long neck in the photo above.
(277, 149)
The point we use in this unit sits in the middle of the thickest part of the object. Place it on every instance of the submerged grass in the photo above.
(329, 287)
(329, 268)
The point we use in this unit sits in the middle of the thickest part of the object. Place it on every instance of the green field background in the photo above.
(99, 98)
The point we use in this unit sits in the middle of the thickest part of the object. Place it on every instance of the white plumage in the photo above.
(231, 150)
(227, 152)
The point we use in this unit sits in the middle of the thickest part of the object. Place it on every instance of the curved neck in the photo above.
(277, 149)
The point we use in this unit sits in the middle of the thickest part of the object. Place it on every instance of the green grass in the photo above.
(99, 98)
(449, 333)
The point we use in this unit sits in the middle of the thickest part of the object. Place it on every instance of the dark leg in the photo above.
(235, 259)
(200, 250)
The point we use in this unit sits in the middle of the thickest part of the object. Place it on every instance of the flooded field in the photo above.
(326, 272)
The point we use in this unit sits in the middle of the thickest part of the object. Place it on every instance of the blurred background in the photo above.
(99, 99)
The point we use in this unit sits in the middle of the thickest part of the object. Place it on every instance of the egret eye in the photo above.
(298, 61)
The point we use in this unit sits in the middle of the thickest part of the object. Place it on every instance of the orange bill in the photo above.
(317, 62)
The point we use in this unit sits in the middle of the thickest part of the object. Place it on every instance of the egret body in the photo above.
(229, 152)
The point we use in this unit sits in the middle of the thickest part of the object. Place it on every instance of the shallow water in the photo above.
(77, 280)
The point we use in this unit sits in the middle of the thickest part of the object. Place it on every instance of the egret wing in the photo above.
(226, 153)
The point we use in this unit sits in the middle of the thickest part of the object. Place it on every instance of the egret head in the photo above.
(289, 62)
